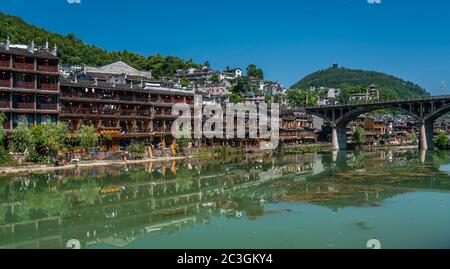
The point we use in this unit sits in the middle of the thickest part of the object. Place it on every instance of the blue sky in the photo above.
(287, 38)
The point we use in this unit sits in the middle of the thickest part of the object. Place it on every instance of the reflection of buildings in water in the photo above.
(126, 206)
(116, 207)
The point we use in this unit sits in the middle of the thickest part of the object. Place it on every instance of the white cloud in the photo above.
(74, 1)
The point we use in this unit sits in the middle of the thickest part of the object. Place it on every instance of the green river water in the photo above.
(325, 201)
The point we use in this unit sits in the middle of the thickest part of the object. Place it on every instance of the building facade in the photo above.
(29, 84)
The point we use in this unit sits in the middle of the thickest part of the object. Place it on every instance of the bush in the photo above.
(22, 139)
(137, 147)
(441, 141)
(359, 136)
(5, 157)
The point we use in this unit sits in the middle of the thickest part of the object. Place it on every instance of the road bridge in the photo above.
(425, 109)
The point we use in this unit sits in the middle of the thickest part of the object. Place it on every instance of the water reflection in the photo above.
(116, 205)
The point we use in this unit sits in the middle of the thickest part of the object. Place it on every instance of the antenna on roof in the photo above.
(443, 88)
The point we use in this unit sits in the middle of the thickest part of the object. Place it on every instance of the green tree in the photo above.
(214, 78)
(22, 139)
(2, 130)
(298, 98)
(359, 136)
(441, 141)
(254, 72)
(411, 137)
(88, 137)
(49, 138)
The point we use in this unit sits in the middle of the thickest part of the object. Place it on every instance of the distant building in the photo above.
(194, 74)
(372, 93)
(230, 74)
(215, 89)
(254, 98)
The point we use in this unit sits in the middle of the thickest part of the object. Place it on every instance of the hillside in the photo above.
(344, 78)
(74, 51)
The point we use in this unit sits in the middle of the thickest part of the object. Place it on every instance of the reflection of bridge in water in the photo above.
(116, 206)
(425, 110)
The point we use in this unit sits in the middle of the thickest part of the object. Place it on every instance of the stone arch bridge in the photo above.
(426, 110)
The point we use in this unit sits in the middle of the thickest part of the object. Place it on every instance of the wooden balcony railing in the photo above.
(24, 85)
(24, 106)
(144, 113)
(48, 106)
(24, 66)
(4, 64)
(154, 100)
(5, 104)
(48, 68)
(109, 112)
(5, 83)
(128, 112)
(126, 98)
(48, 86)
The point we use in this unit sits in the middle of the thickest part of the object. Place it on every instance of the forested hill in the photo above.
(344, 78)
(74, 51)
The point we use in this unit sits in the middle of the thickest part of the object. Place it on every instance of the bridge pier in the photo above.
(339, 138)
(426, 135)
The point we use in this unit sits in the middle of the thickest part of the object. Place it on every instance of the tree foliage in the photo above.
(255, 72)
(49, 138)
(74, 51)
(22, 140)
(359, 136)
(441, 141)
(88, 137)
(298, 98)
(390, 87)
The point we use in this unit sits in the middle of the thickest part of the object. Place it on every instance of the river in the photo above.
(401, 198)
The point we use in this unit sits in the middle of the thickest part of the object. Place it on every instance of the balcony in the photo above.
(5, 83)
(5, 64)
(109, 112)
(126, 98)
(5, 104)
(24, 85)
(128, 112)
(144, 113)
(48, 86)
(154, 100)
(24, 66)
(48, 68)
(24, 106)
(48, 106)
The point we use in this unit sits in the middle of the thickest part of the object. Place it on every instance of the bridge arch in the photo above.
(438, 112)
(355, 113)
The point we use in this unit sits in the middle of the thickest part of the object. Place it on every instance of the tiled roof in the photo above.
(39, 53)
(118, 68)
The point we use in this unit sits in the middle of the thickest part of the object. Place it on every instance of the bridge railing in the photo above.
(423, 98)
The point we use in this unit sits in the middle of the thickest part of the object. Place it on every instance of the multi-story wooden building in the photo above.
(296, 128)
(121, 102)
(29, 84)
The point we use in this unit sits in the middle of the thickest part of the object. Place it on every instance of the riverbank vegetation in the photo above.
(441, 141)
(302, 149)
(42, 143)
